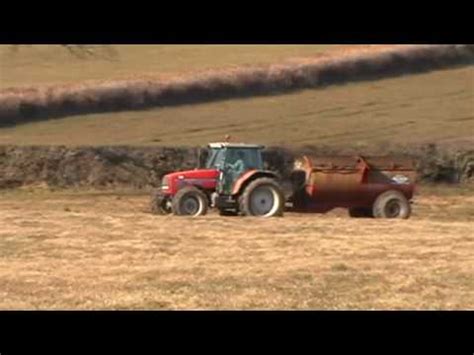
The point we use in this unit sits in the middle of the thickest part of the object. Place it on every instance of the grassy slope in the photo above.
(431, 107)
(53, 64)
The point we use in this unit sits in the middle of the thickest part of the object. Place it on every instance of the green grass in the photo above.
(54, 64)
(433, 107)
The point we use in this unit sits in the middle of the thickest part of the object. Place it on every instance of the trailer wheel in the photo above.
(361, 212)
(391, 204)
(190, 201)
(159, 203)
(263, 198)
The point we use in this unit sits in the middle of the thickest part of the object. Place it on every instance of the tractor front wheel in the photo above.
(190, 201)
(263, 197)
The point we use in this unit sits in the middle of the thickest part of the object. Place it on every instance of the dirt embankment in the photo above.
(18, 105)
(143, 167)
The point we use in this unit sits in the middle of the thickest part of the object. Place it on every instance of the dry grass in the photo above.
(93, 250)
(433, 107)
(52, 64)
(18, 105)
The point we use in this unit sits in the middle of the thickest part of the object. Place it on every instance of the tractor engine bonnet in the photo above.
(204, 178)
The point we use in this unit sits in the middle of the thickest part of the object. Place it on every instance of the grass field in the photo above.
(49, 64)
(424, 108)
(77, 249)
(96, 250)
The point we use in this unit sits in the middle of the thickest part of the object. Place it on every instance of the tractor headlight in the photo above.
(164, 183)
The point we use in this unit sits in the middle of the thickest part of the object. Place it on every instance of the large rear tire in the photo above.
(263, 197)
(391, 204)
(190, 201)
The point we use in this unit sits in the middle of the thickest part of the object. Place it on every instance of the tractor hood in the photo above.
(204, 178)
(194, 174)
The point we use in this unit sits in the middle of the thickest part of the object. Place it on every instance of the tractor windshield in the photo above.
(215, 159)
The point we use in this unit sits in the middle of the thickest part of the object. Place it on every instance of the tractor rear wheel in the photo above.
(361, 212)
(190, 201)
(391, 204)
(159, 203)
(263, 197)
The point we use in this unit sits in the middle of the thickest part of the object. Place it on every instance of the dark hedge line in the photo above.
(143, 167)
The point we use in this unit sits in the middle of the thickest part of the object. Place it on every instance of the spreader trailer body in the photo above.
(366, 186)
(235, 182)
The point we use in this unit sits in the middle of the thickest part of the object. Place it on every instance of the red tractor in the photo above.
(233, 180)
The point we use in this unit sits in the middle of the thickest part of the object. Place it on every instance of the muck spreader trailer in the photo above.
(235, 182)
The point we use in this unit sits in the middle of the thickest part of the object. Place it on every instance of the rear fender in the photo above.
(249, 176)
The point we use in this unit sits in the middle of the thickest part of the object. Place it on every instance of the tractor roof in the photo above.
(235, 145)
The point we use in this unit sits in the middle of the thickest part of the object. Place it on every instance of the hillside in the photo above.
(52, 64)
(31, 103)
(423, 108)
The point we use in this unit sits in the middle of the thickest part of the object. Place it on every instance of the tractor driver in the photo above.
(237, 167)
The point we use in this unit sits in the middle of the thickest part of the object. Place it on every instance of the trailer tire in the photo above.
(391, 204)
(190, 201)
(361, 212)
(269, 196)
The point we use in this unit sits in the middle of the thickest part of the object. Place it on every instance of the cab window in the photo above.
(251, 157)
(216, 159)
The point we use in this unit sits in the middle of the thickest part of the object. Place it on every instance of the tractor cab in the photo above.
(233, 160)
